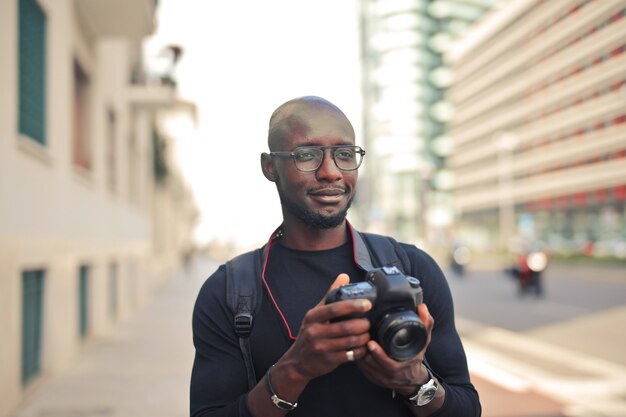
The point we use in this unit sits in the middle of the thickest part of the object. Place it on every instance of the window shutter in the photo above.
(32, 316)
(32, 70)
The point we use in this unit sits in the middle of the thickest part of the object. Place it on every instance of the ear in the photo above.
(268, 167)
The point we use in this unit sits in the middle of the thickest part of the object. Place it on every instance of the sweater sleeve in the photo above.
(218, 379)
(445, 354)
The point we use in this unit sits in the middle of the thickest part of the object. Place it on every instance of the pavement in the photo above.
(501, 401)
(142, 367)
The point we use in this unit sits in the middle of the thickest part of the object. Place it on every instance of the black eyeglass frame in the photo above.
(292, 154)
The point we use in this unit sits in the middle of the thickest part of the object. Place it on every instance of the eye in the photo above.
(345, 153)
(305, 155)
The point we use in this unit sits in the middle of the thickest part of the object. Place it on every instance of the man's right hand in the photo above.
(320, 347)
(322, 344)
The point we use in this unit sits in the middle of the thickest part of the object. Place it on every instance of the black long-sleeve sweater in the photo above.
(298, 280)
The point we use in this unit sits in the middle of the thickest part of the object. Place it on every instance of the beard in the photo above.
(311, 218)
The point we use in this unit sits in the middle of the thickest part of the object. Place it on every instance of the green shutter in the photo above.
(32, 316)
(32, 71)
(83, 300)
(113, 290)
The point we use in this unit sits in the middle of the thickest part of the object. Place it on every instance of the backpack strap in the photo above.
(243, 294)
(384, 251)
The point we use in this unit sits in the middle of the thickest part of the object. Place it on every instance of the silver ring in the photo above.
(350, 355)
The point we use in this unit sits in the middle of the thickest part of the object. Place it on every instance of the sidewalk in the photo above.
(141, 369)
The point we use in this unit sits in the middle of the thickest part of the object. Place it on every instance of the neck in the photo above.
(302, 237)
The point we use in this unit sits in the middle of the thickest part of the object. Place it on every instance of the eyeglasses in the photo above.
(310, 158)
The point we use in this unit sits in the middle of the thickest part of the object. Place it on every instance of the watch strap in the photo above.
(426, 392)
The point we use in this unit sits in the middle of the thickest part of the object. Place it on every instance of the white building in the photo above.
(539, 128)
(92, 217)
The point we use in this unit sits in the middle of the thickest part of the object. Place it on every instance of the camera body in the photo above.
(395, 324)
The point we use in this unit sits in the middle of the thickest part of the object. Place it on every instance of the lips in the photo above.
(330, 191)
(328, 195)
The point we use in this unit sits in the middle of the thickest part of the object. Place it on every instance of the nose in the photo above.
(328, 170)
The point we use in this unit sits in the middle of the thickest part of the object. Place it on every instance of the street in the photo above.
(556, 356)
(561, 354)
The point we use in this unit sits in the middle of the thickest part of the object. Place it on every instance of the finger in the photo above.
(378, 357)
(347, 343)
(371, 364)
(427, 319)
(341, 280)
(344, 356)
(324, 313)
(429, 323)
(358, 354)
(348, 327)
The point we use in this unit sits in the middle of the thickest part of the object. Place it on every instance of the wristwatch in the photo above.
(426, 392)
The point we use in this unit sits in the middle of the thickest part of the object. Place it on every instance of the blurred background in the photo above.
(130, 136)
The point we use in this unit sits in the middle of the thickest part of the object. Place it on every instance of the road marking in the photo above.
(497, 376)
(528, 346)
(591, 387)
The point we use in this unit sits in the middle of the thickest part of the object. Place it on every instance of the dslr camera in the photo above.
(395, 324)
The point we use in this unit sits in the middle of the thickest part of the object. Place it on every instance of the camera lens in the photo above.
(401, 334)
(401, 338)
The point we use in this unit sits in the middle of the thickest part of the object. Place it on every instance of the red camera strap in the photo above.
(361, 259)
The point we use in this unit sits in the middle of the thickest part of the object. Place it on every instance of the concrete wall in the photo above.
(57, 216)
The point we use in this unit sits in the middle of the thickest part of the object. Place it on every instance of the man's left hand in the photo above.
(403, 377)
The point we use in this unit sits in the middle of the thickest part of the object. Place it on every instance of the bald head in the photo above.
(306, 116)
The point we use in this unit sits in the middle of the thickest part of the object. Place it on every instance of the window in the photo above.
(111, 138)
(83, 301)
(32, 315)
(113, 285)
(132, 285)
(32, 71)
(82, 142)
(133, 171)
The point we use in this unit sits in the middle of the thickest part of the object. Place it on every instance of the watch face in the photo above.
(427, 396)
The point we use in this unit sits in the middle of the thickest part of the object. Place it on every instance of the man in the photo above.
(314, 365)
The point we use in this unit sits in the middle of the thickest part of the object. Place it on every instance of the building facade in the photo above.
(92, 216)
(403, 186)
(538, 131)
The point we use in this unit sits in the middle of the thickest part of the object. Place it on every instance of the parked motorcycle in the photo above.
(459, 258)
(528, 271)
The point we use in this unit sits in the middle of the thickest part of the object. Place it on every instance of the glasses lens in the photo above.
(348, 158)
(308, 159)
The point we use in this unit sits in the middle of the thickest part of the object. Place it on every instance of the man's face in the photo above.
(321, 198)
